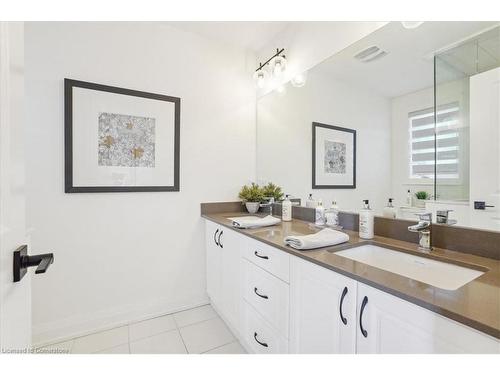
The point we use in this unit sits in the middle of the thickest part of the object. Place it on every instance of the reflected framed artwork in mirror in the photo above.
(120, 140)
(333, 157)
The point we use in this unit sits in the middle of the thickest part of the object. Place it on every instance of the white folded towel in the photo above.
(253, 222)
(325, 237)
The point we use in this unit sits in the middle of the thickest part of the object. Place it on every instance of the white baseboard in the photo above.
(81, 325)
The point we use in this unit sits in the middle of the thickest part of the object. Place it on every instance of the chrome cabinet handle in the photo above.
(363, 305)
(218, 239)
(261, 256)
(261, 343)
(255, 290)
(215, 234)
(344, 292)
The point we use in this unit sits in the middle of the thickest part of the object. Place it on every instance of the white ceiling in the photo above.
(408, 67)
(249, 35)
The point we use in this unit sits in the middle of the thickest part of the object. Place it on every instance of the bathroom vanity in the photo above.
(279, 300)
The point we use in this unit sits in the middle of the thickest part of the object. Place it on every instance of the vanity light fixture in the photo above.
(299, 80)
(276, 62)
(260, 77)
(411, 24)
(279, 65)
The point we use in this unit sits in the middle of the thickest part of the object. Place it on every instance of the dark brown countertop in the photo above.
(476, 304)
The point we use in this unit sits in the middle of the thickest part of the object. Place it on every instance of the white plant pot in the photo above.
(420, 203)
(252, 207)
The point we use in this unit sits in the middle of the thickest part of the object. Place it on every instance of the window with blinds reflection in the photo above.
(447, 140)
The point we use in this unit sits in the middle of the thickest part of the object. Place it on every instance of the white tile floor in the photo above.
(198, 330)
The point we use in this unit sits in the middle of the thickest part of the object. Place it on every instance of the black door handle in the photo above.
(22, 261)
(363, 305)
(255, 290)
(344, 292)
(218, 239)
(261, 256)
(215, 234)
(261, 343)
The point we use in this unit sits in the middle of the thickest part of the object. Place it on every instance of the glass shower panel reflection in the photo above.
(467, 129)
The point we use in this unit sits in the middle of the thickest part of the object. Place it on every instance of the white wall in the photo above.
(120, 257)
(309, 43)
(401, 106)
(284, 136)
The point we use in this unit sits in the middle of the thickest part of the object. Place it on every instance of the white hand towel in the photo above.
(248, 223)
(325, 237)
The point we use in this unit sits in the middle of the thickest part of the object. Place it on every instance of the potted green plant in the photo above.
(273, 191)
(251, 196)
(421, 196)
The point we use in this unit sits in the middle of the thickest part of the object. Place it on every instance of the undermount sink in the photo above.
(433, 272)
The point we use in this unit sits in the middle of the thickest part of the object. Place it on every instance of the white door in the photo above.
(322, 310)
(485, 148)
(15, 298)
(390, 325)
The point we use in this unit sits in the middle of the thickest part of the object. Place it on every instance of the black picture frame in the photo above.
(316, 125)
(69, 84)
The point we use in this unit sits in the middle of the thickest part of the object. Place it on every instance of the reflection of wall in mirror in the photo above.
(284, 140)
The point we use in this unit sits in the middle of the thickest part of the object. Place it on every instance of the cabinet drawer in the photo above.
(259, 335)
(267, 294)
(272, 260)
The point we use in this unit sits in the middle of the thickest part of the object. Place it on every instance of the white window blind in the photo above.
(421, 128)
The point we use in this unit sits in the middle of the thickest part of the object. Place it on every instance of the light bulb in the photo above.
(281, 90)
(299, 80)
(260, 77)
(279, 65)
(411, 24)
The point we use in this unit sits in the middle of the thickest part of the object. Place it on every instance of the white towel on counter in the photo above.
(248, 223)
(325, 237)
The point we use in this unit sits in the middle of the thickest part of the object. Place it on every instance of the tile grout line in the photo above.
(129, 348)
(220, 346)
(182, 339)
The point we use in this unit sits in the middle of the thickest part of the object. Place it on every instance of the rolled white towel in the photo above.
(248, 223)
(325, 237)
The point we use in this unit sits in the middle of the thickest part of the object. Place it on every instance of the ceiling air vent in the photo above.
(370, 54)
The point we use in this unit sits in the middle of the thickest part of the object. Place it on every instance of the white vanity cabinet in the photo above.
(322, 310)
(387, 325)
(214, 258)
(223, 248)
(278, 303)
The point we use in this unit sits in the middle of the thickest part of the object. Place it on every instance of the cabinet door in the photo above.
(230, 246)
(319, 322)
(392, 325)
(214, 257)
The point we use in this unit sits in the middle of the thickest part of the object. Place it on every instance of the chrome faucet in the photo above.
(424, 230)
(270, 202)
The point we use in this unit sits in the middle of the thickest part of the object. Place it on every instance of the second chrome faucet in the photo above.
(424, 230)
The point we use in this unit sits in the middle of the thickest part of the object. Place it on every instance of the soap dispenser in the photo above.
(310, 202)
(409, 199)
(366, 221)
(389, 210)
(320, 213)
(286, 209)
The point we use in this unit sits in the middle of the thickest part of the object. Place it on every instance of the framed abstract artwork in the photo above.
(120, 140)
(333, 157)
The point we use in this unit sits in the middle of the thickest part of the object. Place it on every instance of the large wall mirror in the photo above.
(424, 105)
